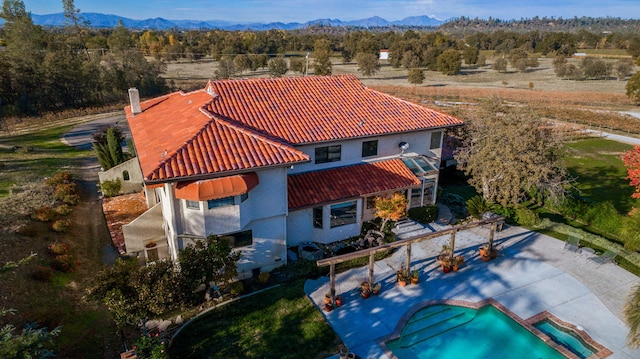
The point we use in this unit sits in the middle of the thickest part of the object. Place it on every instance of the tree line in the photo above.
(51, 69)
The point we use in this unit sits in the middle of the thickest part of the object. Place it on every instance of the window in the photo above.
(369, 148)
(240, 239)
(436, 138)
(317, 217)
(244, 197)
(343, 213)
(125, 175)
(328, 154)
(193, 204)
(371, 202)
(220, 202)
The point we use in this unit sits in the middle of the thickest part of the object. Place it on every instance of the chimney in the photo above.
(134, 99)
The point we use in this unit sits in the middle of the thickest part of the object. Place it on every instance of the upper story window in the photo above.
(328, 154)
(436, 138)
(220, 202)
(125, 175)
(369, 148)
(192, 204)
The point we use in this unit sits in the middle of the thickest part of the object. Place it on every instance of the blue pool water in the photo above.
(453, 332)
(566, 338)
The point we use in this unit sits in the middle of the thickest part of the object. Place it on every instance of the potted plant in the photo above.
(327, 298)
(365, 289)
(457, 262)
(376, 288)
(446, 264)
(403, 277)
(338, 301)
(486, 254)
(414, 276)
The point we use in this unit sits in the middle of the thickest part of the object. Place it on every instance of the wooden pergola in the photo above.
(371, 252)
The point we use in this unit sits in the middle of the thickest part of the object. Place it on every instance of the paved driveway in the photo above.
(532, 274)
(81, 136)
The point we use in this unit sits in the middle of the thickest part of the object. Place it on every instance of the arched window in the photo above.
(125, 175)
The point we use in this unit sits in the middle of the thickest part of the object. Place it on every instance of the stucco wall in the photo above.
(419, 142)
(300, 227)
(144, 228)
(134, 184)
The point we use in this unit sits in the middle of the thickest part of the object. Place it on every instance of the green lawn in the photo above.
(599, 173)
(278, 323)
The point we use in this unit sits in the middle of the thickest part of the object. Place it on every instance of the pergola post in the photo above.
(332, 281)
(372, 262)
(452, 242)
(492, 232)
(408, 263)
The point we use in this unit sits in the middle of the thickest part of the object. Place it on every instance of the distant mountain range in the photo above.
(96, 20)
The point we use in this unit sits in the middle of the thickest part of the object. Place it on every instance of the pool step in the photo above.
(429, 313)
(426, 332)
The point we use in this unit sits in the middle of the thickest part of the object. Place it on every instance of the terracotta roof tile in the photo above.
(238, 125)
(174, 139)
(311, 109)
(313, 188)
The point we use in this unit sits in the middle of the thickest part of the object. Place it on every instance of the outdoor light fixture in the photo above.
(403, 146)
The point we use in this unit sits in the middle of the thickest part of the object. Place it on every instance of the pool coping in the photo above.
(601, 351)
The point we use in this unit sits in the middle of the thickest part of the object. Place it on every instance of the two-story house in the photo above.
(271, 163)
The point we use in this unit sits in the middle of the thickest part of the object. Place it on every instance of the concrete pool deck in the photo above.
(533, 273)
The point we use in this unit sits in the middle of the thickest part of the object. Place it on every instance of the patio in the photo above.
(533, 273)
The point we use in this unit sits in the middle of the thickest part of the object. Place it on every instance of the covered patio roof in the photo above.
(217, 187)
(332, 185)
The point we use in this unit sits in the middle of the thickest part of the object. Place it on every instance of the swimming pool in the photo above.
(449, 331)
(566, 338)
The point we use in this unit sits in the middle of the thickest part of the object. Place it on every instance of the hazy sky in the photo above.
(305, 10)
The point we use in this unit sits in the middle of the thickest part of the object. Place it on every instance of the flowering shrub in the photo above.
(71, 199)
(63, 190)
(59, 178)
(63, 209)
(44, 214)
(61, 225)
(64, 263)
(58, 248)
(42, 273)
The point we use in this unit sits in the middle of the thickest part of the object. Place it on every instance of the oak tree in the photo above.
(368, 64)
(509, 153)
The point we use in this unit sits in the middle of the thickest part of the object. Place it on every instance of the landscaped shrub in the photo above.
(237, 288)
(44, 214)
(424, 214)
(604, 216)
(508, 213)
(61, 225)
(64, 263)
(149, 347)
(71, 199)
(59, 178)
(63, 209)
(58, 248)
(526, 217)
(63, 190)
(111, 188)
(42, 273)
(456, 204)
(477, 206)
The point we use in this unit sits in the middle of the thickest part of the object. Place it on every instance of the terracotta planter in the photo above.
(414, 280)
(328, 307)
(485, 258)
(402, 282)
(365, 294)
(455, 268)
(327, 300)
(446, 269)
(338, 301)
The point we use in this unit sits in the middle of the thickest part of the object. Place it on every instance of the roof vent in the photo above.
(134, 99)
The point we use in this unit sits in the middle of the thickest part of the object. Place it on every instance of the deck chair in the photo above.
(573, 244)
(609, 256)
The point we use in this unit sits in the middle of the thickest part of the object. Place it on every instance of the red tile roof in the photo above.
(175, 140)
(312, 109)
(239, 125)
(318, 187)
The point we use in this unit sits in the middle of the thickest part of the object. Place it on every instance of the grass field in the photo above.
(278, 323)
(599, 172)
